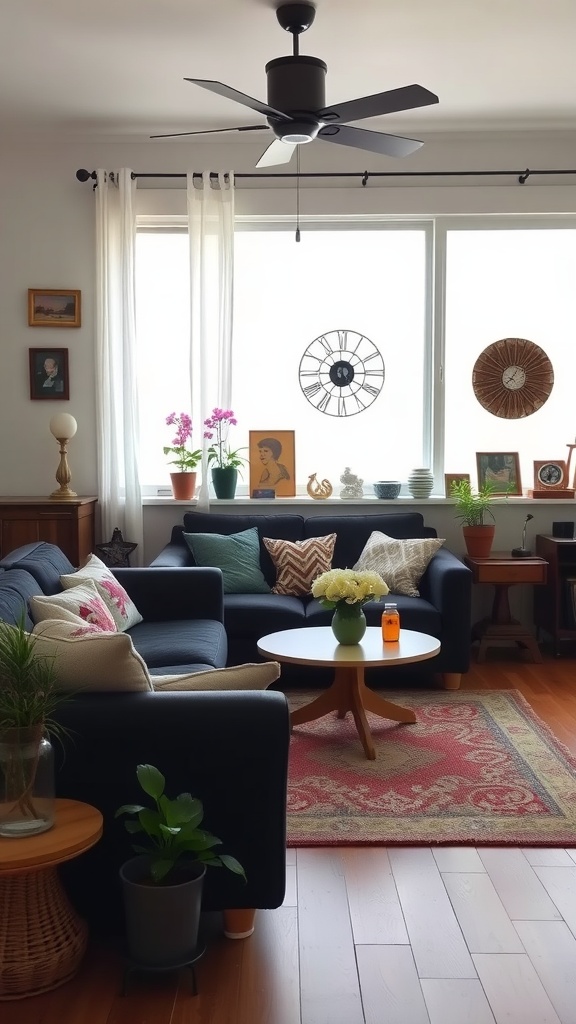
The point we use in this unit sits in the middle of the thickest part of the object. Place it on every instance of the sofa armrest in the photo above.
(447, 584)
(228, 748)
(173, 554)
(164, 594)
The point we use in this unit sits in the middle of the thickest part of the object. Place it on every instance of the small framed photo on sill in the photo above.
(272, 462)
(453, 478)
(49, 376)
(502, 470)
(54, 307)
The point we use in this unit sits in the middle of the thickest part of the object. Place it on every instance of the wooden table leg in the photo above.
(349, 692)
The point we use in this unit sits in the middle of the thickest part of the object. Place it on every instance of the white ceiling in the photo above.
(117, 66)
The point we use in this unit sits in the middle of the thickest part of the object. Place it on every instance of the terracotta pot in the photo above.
(478, 540)
(183, 486)
(239, 922)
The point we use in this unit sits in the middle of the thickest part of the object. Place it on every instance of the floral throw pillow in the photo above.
(299, 562)
(96, 662)
(83, 607)
(401, 563)
(121, 607)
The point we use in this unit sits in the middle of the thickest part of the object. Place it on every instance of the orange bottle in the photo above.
(390, 624)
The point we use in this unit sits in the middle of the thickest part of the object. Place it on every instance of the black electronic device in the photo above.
(523, 551)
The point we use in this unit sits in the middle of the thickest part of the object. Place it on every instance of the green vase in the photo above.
(348, 623)
(224, 481)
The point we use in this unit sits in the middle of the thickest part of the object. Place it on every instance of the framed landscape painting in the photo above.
(53, 307)
(501, 469)
(272, 462)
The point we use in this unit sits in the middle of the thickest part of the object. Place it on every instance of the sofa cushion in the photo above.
(402, 563)
(17, 587)
(182, 642)
(352, 532)
(287, 527)
(299, 562)
(237, 677)
(96, 662)
(236, 554)
(81, 604)
(121, 607)
(255, 615)
(45, 562)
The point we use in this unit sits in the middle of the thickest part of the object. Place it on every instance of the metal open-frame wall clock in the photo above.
(512, 378)
(341, 373)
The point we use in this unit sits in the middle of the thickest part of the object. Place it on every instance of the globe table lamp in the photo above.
(63, 426)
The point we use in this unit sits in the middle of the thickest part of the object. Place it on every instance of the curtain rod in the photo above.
(522, 176)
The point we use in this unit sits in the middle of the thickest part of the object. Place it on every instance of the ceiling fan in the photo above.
(296, 108)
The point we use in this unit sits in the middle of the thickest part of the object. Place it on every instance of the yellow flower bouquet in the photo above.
(339, 587)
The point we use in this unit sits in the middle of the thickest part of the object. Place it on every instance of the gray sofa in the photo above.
(443, 609)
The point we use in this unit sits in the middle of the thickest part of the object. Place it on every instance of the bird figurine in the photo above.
(319, 489)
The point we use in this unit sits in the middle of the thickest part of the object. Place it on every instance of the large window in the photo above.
(499, 280)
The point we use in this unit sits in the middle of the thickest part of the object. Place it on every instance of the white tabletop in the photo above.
(317, 645)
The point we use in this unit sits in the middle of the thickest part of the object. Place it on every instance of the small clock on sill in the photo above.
(550, 479)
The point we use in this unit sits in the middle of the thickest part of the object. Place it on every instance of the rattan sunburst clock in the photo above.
(512, 378)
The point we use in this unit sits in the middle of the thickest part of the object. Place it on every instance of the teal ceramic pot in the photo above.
(224, 480)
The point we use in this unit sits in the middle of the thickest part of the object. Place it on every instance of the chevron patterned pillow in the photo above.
(299, 562)
(401, 563)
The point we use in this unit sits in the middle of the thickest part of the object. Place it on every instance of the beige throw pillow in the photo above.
(299, 562)
(120, 605)
(84, 661)
(80, 606)
(401, 563)
(237, 677)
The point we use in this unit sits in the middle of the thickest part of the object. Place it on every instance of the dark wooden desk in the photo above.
(503, 572)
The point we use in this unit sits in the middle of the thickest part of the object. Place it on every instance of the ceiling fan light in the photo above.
(296, 138)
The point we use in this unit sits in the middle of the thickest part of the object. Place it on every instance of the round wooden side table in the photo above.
(42, 939)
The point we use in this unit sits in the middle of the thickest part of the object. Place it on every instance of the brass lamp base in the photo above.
(63, 494)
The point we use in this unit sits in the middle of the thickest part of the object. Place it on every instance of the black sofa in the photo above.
(229, 748)
(443, 610)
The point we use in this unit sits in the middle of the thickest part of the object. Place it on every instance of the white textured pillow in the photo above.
(401, 563)
(120, 605)
(98, 662)
(82, 606)
(237, 677)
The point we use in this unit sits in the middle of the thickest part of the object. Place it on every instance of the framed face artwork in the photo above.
(49, 378)
(272, 462)
(501, 469)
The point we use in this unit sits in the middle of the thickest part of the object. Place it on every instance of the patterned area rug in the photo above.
(477, 768)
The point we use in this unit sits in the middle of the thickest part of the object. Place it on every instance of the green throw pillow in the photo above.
(237, 555)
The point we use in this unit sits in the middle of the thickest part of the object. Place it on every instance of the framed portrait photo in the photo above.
(501, 469)
(53, 307)
(49, 378)
(272, 462)
(453, 478)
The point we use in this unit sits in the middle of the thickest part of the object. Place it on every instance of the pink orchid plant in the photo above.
(186, 460)
(217, 426)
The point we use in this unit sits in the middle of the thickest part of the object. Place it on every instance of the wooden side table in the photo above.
(42, 939)
(503, 572)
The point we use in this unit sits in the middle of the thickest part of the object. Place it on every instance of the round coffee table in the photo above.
(42, 939)
(317, 645)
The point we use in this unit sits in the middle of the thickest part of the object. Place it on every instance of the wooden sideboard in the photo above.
(69, 524)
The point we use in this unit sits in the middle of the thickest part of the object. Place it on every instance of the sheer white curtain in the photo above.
(211, 235)
(119, 492)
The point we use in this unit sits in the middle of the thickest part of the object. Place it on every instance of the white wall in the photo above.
(47, 240)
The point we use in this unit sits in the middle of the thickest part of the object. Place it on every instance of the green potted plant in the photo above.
(28, 697)
(472, 507)
(226, 464)
(163, 884)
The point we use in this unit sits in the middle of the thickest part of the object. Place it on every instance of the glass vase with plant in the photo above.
(185, 459)
(28, 698)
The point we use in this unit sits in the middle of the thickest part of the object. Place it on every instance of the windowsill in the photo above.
(304, 499)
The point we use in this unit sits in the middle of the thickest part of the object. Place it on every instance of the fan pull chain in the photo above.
(298, 193)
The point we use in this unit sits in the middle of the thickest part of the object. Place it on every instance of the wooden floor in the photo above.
(377, 936)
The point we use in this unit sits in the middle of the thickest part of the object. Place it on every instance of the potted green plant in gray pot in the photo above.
(163, 885)
(472, 507)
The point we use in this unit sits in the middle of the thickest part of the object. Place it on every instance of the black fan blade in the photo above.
(239, 97)
(212, 131)
(375, 142)
(380, 103)
(278, 152)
